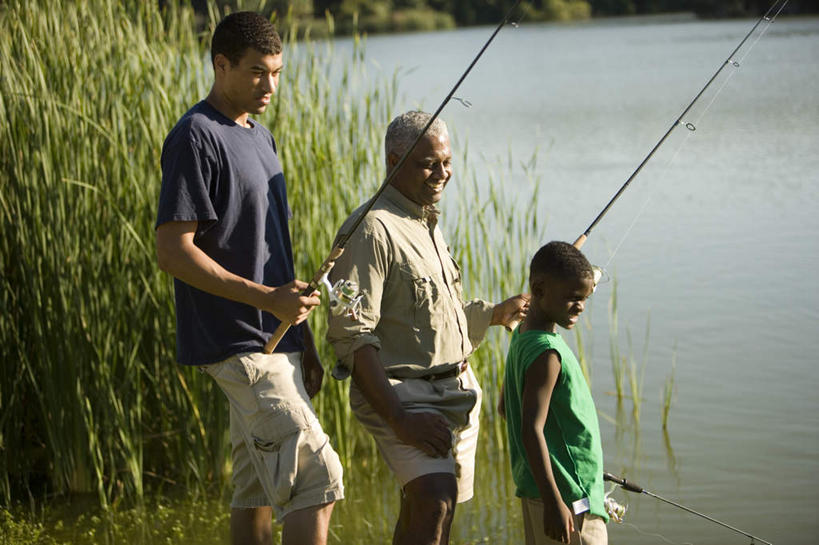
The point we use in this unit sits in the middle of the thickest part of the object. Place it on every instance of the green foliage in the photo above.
(91, 397)
(92, 400)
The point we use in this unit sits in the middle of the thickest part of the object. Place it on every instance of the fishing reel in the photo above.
(345, 299)
(599, 274)
(615, 510)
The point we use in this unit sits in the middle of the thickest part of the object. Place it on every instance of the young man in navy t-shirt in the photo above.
(222, 233)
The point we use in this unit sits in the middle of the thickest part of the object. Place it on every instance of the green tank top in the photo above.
(572, 432)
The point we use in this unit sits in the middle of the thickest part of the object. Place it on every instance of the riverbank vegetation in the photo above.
(324, 17)
(91, 398)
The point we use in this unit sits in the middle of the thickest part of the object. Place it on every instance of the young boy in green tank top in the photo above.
(554, 436)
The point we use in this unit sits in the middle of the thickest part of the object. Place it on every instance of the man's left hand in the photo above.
(513, 310)
(312, 371)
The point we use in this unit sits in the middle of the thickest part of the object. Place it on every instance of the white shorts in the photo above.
(458, 399)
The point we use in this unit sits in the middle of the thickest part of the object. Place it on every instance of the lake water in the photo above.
(718, 242)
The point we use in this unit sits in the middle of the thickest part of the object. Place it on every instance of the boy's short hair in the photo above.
(243, 29)
(560, 260)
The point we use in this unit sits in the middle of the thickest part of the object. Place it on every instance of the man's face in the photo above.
(249, 85)
(426, 171)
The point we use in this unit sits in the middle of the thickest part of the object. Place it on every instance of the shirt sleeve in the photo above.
(366, 261)
(187, 173)
(478, 316)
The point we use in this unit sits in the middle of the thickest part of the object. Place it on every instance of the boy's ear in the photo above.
(538, 286)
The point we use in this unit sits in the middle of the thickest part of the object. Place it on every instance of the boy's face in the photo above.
(561, 301)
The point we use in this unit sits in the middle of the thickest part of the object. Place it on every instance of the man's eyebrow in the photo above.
(263, 68)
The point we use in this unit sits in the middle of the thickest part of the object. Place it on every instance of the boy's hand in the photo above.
(558, 522)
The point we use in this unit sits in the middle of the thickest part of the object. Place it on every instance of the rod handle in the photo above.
(628, 485)
(314, 284)
(581, 240)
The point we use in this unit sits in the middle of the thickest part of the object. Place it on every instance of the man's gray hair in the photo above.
(404, 129)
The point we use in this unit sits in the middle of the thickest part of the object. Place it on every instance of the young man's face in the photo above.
(426, 171)
(248, 86)
(563, 300)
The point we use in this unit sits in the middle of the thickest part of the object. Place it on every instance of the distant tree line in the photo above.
(403, 15)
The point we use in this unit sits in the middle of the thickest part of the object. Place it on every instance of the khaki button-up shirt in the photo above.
(412, 307)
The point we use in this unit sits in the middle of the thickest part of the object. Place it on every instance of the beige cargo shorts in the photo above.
(458, 399)
(281, 456)
(588, 529)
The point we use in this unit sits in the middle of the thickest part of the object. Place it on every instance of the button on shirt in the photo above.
(412, 307)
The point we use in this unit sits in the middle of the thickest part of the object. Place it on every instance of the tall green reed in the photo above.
(618, 364)
(668, 391)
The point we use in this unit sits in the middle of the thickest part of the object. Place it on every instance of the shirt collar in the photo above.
(429, 214)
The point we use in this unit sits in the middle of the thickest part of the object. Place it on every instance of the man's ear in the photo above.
(220, 63)
(392, 160)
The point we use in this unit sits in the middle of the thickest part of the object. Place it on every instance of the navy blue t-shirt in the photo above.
(227, 178)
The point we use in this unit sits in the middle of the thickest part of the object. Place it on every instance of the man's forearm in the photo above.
(197, 269)
(181, 258)
(369, 376)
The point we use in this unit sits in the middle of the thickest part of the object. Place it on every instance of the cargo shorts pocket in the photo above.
(276, 439)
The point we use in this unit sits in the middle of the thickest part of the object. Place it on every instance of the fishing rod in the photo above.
(578, 243)
(343, 294)
(679, 121)
(632, 487)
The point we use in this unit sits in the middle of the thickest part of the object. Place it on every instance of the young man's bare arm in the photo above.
(539, 383)
(181, 258)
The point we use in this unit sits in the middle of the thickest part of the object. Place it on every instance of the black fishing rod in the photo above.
(632, 487)
(342, 294)
(598, 272)
(679, 121)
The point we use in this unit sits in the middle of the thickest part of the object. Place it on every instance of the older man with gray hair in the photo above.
(407, 348)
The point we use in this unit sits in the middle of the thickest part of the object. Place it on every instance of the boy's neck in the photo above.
(532, 322)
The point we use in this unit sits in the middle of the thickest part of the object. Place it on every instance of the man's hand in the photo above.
(511, 311)
(288, 304)
(558, 522)
(312, 371)
(425, 431)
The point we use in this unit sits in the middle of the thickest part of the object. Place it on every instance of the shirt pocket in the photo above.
(457, 285)
(425, 285)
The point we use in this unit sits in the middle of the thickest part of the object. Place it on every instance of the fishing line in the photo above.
(692, 127)
(679, 121)
(654, 534)
(338, 248)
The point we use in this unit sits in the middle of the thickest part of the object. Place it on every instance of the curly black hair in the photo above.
(243, 29)
(560, 260)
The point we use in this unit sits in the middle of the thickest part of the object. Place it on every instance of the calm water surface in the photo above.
(714, 248)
